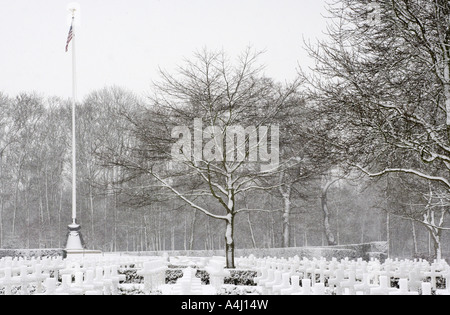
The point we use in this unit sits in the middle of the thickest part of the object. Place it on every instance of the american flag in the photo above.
(69, 38)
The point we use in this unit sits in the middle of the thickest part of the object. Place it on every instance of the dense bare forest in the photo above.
(35, 194)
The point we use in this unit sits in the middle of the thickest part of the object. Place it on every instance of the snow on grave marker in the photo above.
(415, 279)
(384, 288)
(319, 289)
(320, 271)
(264, 274)
(433, 274)
(285, 284)
(361, 269)
(78, 284)
(365, 285)
(388, 269)
(426, 288)
(306, 287)
(294, 287)
(267, 289)
(25, 280)
(90, 284)
(270, 278)
(446, 276)
(189, 284)
(336, 281)
(350, 283)
(375, 272)
(217, 273)
(39, 277)
(67, 288)
(332, 266)
(154, 273)
(403, 290)
(401, 272)
(108, 285)
(50, 286)
(8, 281)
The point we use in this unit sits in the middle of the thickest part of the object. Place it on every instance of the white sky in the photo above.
(123, 42)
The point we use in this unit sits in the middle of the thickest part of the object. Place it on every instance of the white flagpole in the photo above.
(74, 241)
(74, 143)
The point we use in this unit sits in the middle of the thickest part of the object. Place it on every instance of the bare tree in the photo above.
(388, 83)
(236, 102)
(422, 202)
(383, 79)
(327, 183)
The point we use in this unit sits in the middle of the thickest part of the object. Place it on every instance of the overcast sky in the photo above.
(123, 42)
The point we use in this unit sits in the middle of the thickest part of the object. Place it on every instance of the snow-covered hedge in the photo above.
(30, 253)
(237, 277)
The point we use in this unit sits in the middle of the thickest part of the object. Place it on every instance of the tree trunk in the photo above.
(326, 214)
(16, 201)
(438, 248)
(59, 215)
(388, 234)
(173, 238)
(159, 240)
(41, 216)
(285, 191)
(91, 204)
(229, 241)
(305, 238)
(414, 238)
(429, 243)
(208, 235)
(363, 226)
(272, 231)
(191, 240)
(105, 223)
(28, 221)
(163, 231)
(286, 217)
(435, 236)
(185, 230)
(251, 231)
(114, 236)
(127, 238)
(145, 234)
(47, 203)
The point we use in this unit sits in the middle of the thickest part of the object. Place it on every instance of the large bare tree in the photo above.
(207, 137)
(385, 85)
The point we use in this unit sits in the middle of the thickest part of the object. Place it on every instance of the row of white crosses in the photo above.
(89, 280)
(21, 276)
(79, 276)
(348, 277)
(154, 271)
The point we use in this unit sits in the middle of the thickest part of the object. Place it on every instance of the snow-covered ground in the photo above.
(138, 275)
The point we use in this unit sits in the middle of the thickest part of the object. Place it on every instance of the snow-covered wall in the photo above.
(365, 251)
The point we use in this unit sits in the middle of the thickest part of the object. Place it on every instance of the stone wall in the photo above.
(29, 253)
(365, 251)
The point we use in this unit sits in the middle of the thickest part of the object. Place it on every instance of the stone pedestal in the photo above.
(74, 238)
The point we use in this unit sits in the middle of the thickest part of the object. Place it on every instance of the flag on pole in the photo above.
(69, 37)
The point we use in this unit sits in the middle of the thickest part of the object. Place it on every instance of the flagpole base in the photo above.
(74, 238)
